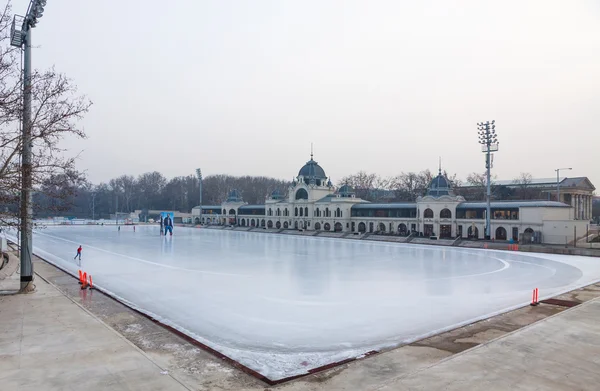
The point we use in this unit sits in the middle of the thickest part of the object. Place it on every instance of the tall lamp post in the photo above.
(489, 142)
(199, 175)
(558, 182)
(21, 37)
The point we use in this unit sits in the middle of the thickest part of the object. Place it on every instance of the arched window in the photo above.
(326, 227)
(295, 211)
(270, 212)
(285, 212)
(445, 214)
(301, 212)
(301, 194)
(262, 223)
(317, 226)
(381, 227)
(528, 231)
(402, 229)
(362, 227)
(337, 227)
(278, 212)
(285, 224)
(278, 225)
(232, 212)
(338, 213)
(327, 212)
(428, 214)
(224, 212)
(269, 224)
(500, 233)
(306, 211)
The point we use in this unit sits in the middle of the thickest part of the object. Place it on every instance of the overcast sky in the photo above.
(244, 87)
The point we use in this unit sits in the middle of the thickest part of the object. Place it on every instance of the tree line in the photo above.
(153, 191)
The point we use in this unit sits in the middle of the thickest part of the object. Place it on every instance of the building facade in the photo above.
(312, 203)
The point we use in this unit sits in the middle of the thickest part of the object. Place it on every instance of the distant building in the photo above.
(577, 192)
(312, 203)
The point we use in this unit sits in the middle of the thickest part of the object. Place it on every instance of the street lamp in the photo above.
(21, 38)
(489, 142)
(558, 182)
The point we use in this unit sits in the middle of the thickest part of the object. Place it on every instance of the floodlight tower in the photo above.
(20, 36)
(489, 142)
(199, 175)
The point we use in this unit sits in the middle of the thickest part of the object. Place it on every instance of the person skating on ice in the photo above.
(78, 253)
(168, 225)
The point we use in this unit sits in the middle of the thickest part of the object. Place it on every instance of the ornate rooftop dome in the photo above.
(234, 196)
(439, 186)
(276, 195)
(346, 191)
(312, 170)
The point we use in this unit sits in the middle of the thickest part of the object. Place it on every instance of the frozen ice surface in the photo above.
(283, 304)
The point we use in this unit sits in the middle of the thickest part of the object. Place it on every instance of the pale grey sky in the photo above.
(244, 87)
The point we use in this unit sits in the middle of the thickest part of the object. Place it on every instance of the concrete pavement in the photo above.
(48, 342)
(561, 352)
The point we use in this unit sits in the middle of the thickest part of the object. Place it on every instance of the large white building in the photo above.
(312, 203)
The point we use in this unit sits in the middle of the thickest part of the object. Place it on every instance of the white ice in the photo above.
(284, 304)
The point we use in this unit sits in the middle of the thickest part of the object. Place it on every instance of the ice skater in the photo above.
(168, 225)
(134, 228)
(161, 226)
(78, 255)
(119, 228)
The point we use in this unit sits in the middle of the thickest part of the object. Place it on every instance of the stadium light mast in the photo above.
(21, 38)
(199, 175)
(558, 181)
(489, 142)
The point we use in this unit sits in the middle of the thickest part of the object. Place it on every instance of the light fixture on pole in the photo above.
(21, 37)
(489, 142)
(558, 181)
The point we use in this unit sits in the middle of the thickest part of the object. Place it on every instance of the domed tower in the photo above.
(440, 186)
(346, 191)
(276, 195)
(312, 174)
(234, 196)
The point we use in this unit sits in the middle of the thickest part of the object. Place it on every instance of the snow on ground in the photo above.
(283, 304)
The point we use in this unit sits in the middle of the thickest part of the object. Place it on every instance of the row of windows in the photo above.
(401, 212)
(478, 213)
(304, 212)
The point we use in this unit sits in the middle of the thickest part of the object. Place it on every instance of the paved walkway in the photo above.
(561, 352)
(47, 342)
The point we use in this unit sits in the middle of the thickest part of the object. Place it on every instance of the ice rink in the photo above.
(284, 304)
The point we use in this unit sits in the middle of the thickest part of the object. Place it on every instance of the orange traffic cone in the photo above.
(84, 281)
(91, 283)
(534, 298)
(80, 277)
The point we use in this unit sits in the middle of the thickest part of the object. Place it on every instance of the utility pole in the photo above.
(489, 142)
(22, 39)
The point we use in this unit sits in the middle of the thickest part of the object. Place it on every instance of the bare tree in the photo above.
(56, 111)
(525, 190)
